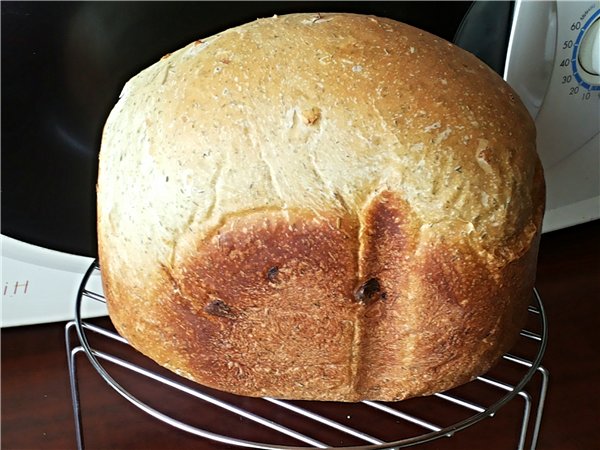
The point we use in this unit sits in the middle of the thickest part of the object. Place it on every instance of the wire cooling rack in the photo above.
(299, 424)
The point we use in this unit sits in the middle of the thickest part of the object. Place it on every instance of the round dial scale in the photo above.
(585, 59)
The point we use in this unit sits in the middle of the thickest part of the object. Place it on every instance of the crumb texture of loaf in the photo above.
(320, 206)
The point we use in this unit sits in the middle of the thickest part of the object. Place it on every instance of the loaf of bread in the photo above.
(320, 206)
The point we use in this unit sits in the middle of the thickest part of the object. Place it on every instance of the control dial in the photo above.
(585, 59)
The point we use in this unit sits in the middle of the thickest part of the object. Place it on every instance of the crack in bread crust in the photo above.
(428, 330)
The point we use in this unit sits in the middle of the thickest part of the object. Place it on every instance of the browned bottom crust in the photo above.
(314, 307)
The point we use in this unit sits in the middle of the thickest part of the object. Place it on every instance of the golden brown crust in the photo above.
(360, 222)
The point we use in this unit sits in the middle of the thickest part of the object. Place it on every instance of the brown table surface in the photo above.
(37, 411)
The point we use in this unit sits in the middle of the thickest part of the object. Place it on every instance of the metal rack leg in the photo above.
(540, 409)
(71, 354)
(525, 424)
